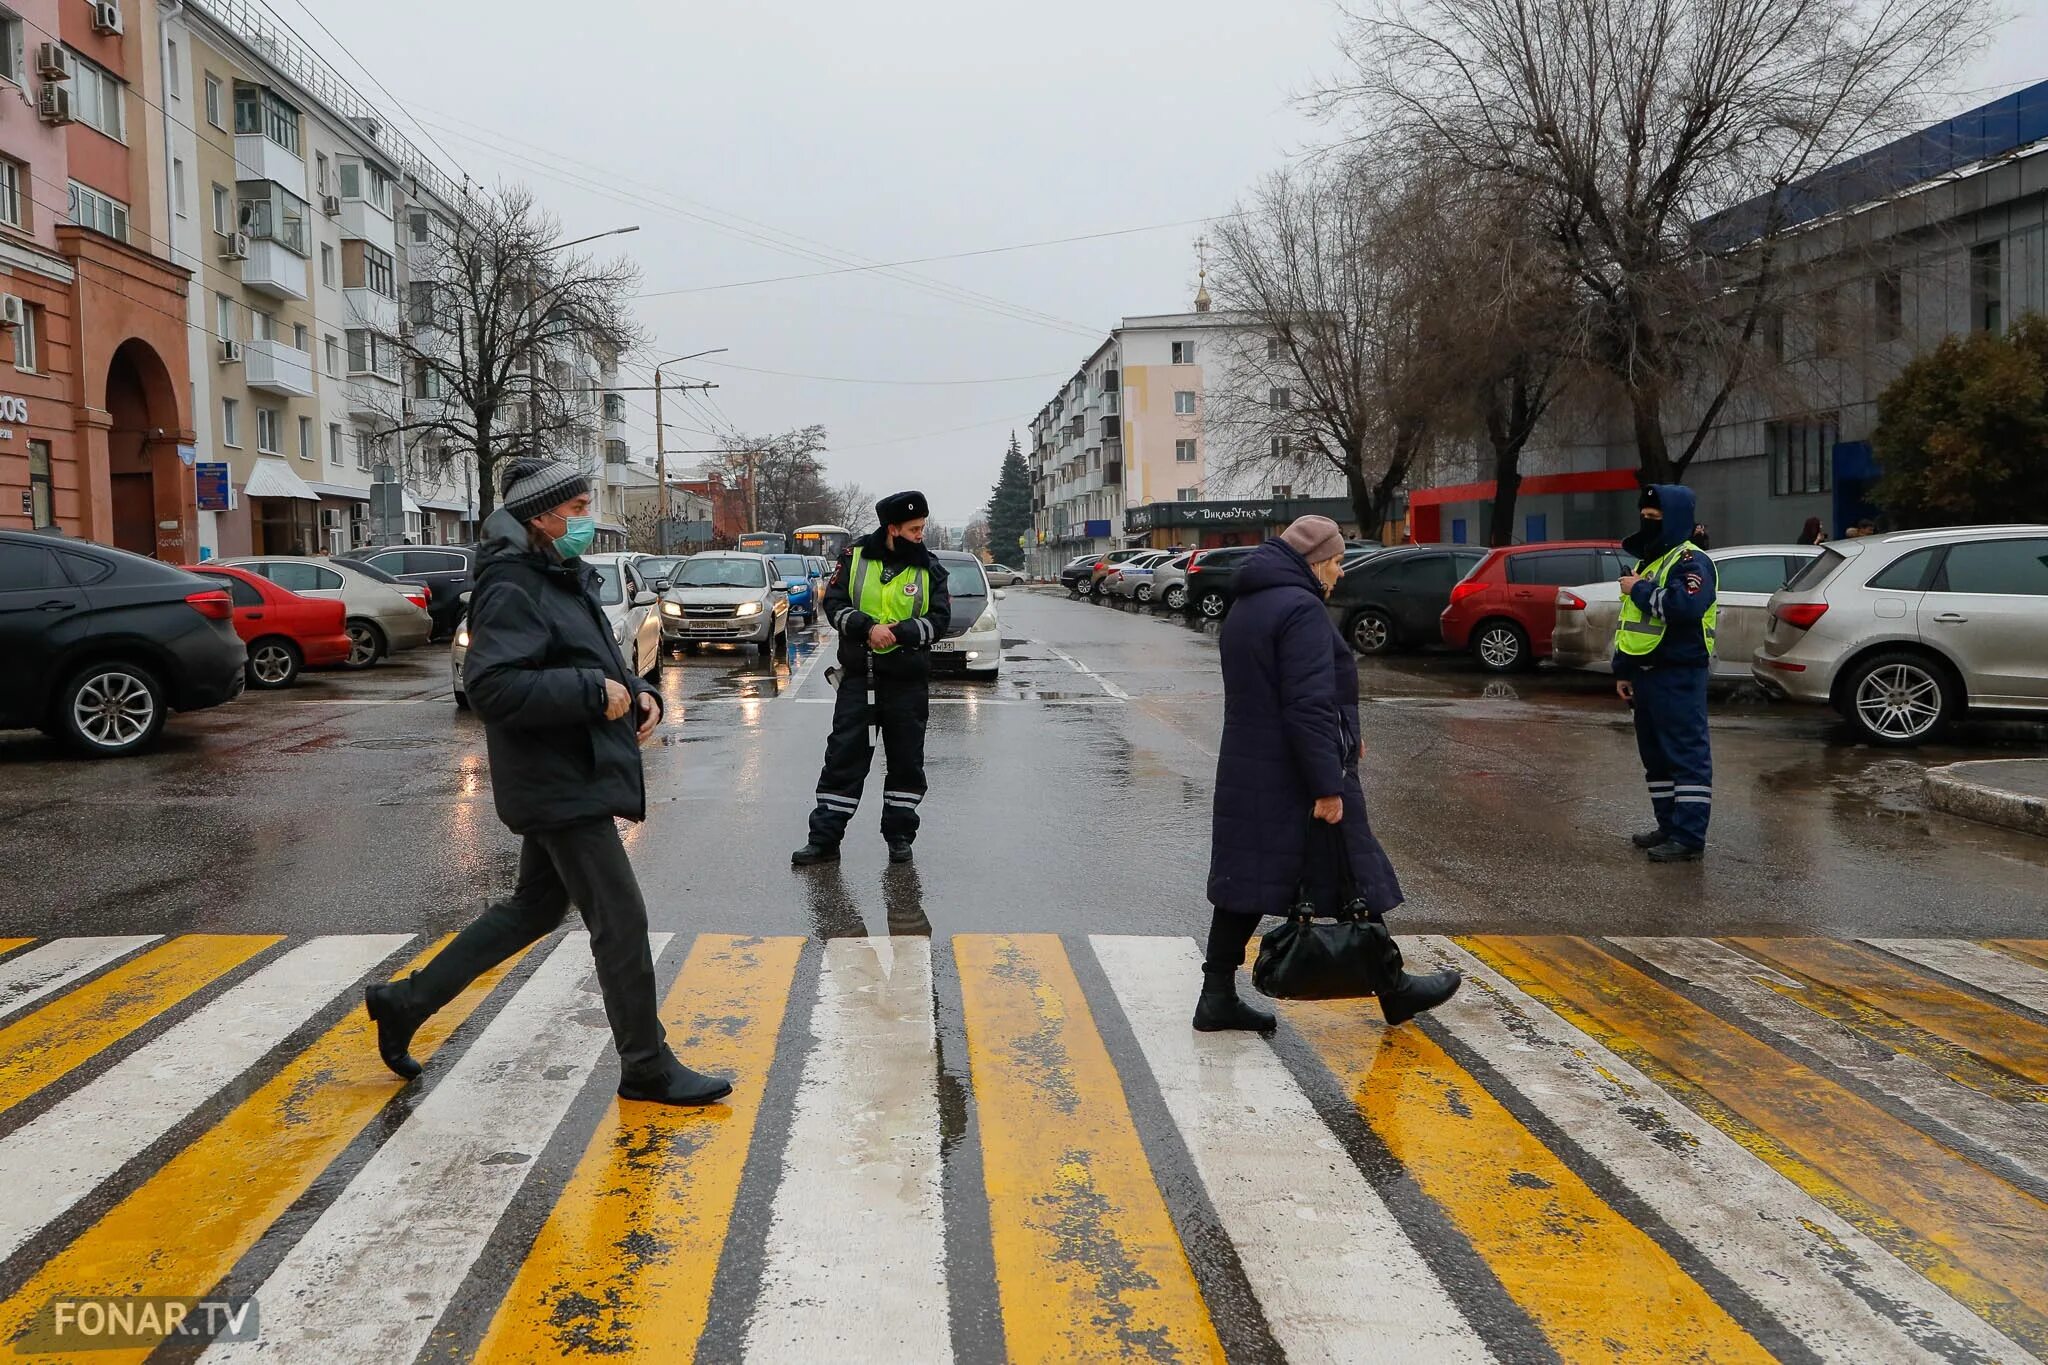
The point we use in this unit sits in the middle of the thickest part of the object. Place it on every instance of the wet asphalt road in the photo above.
(1070, 796)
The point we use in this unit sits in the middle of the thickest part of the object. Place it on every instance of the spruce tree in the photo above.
(1009, 509)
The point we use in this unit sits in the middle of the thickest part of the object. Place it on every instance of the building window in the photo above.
(373, 270)
(177, 81)
(427, 382)
(422, 292)
(223, 210)
(1279, 398)
(268, 420)
(1272, 348)
(334, 444)
(363, 451)
(360, 180)
(1827, 324)
(1283, 491)
(333, 358)
(91, 209)
(27, 350)
(1190, 494)
(224, 317)
(13, 49)
(299, 337)
(327, 265)
(273, 213)
(262, 325)
(1184, 403)
(178, 184)
(1281, 447)
(259, 110)
(1889, 304)
(1987, 287)
(230, 423)
(213, 101)
(369, 353)
(305, 438)
(12, 173)
(96, 97)
(1184, 452)
(41, 496)
(422, 228)
(320, 171)
(1183, 352)
(1802, 455)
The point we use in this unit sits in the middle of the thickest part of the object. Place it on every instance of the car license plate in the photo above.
(947, 647)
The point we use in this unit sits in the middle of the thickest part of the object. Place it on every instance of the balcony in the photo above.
(360, 218)
(259, 158)
(1113, 473)
(368, 308)
(371, 398)
(273, 269)
(278, 367)
(1112, 429)
(616, 452)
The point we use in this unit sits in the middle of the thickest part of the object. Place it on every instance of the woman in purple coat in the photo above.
(1288, 769)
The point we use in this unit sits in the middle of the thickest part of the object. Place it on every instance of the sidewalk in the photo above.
(2012, 792)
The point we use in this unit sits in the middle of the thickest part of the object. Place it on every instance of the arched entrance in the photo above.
(148, 482)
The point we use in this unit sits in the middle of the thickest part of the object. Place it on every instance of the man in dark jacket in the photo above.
(564, 718)
(888, 601)
(1663, 651)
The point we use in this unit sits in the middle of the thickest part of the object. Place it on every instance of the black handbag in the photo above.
(1329, 959)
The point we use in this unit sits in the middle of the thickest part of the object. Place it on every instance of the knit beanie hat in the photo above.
(1317, 538)
(533, 486)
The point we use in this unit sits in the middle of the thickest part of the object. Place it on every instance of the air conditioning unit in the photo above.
(54, 104)
(51, 63)
(230, 351)
(330, 519)
(106, 16)
(330, 204)
(234, 246)
(13, 312)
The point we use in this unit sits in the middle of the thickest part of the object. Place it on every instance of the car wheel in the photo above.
(462, 701)
(1500, 647)
(1176, 598)
(1095, 590)
(1144, 594)
(1372, 632)
(111, 709)
(365, 643)
(1211, 605)
(1900, 698)
(273, 663)
(688, 647)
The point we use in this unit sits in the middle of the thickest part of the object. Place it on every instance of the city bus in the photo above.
(826, 542)
(763, 543)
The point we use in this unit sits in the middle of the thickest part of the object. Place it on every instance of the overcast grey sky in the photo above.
(749, 140)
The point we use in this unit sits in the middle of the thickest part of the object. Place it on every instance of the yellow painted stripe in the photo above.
(623, 1268)
(1978, 1238)
(69, 1031)
(1899, 1007)
(8, 945)
(1088, 1264)
(188, 1224)
(1597, 1286)
(2033, 951)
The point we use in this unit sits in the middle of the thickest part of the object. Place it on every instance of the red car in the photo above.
(1505, 610)
(285, 631)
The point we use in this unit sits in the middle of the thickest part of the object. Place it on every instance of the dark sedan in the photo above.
(1395, 599)
(445, 571)
(1212, 579)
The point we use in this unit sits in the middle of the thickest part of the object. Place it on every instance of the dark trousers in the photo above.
(1678, 762)
(585, 864)
(905, 704)
(1230, 933)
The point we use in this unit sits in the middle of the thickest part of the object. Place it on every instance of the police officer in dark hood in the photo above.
(889, 603)
(1663, 651)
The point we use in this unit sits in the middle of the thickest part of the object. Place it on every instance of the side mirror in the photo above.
(782, 588)
(643, 598)
(660, 585)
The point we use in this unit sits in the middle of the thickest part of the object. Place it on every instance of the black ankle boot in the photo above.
(1649, 838)
(1403, 995)
(1219, 1009)
(395, 1026)
(813, 853)
(674, 1084)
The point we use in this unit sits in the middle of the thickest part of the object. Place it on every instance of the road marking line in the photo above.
(69, 1031)
(2017, 1132)
(803, 671)
(371, 1277)
(50, 968)
(2033, 950)
(1088, 1264)
(239, 1177)
(855, 1263)
(1302, 1202)
(1972, 1234)
(1907, 994)
(48, 1164)
(624, 1266)
(1975, 965)
(1838, 1292)
(1105, 684)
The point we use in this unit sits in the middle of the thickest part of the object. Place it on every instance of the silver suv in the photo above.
(1902, 633)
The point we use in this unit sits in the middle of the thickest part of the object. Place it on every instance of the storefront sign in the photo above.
(1251, 513)
(213, 485)
(13, 408)
(1096, 530)
(188, 455)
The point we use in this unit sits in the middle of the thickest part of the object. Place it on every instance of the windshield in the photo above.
(964, 579)
(608, 579)
(721, 573)
(657, 567)
(792, 566)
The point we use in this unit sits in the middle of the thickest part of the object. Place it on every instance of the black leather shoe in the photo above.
(899, 851)
(1671, 851)
(675, 1084)
(395, 1028)
(813, 853)
(1649, 838)
(1220, 1010)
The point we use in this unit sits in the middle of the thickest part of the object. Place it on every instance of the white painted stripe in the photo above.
(1844, 1297)
(804, 670)
(369, 1280)
(1973, 964)
(50, 1163)
(1105, 684)
(1338, 1279)
(44, 970)
(856, 1255)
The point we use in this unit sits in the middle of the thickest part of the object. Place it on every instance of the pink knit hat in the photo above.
(1317, 538)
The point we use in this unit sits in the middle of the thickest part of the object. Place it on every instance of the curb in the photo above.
(1951, 789)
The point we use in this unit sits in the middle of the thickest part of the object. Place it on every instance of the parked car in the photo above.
(726, 596)
(284, 631)
(1746, 576)
(1905, 633)
(1105, 564)
(445, 571)
(382, 618)
(1001, 575)
(973, 638)
(1132, 580)
(1077, 576)
(806, 595)
(101, 645)
(1505, 610)
(1170, 581)
(1394, 598)
(1212, 579)
(629, 605)
(656, 570)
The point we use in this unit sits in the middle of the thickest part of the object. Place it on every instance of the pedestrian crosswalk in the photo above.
(1014, 1147)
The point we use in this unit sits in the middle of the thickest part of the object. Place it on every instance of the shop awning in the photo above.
(339, 490)
(456, 505)
(411, 505)
(273, 478)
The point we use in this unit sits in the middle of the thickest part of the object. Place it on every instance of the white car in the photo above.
(973, 639)
(629, 605)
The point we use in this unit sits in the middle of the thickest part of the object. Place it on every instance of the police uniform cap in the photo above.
(899, 508)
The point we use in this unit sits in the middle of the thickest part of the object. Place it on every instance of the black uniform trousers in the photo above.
(903, 698)
(584, 863)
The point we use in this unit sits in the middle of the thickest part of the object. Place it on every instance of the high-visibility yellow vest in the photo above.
(890, 603)
(1640, 632)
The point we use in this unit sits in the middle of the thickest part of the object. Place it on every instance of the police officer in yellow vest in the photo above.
(1663, 651)
(889, 603)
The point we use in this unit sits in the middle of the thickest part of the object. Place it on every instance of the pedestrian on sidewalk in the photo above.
(1663, 651)
(1291, 747)
(1811, 533)
(564, 718)
(888, 601)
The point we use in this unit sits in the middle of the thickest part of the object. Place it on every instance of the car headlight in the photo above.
(748, 609)
(671, 609)
(987, 619)
(462, 636)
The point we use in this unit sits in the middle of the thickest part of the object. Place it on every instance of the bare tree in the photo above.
(781, 476)
(493, 312)
(850, 506)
